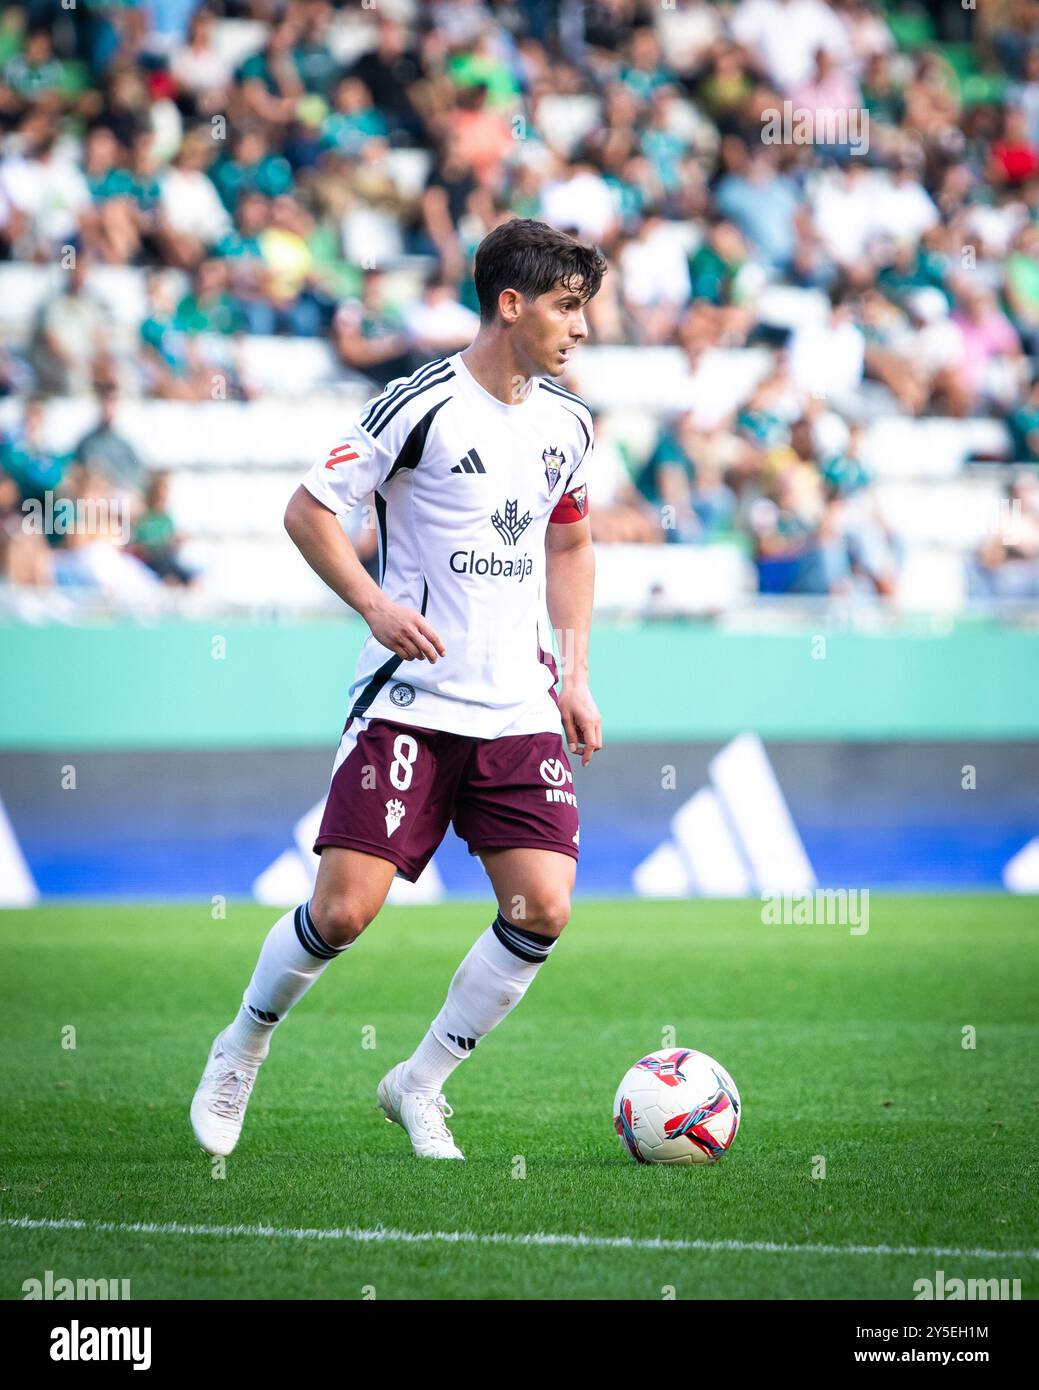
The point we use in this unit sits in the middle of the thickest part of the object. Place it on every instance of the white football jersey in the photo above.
(465, 487)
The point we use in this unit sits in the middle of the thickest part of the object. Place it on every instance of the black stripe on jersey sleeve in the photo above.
(384, 417)
(566, 396)
(381, 401)
(562, 391)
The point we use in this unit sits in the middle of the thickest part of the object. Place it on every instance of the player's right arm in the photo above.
(331, 489)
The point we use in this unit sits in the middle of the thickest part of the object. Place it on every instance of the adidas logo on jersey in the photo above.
(465, 1043)
(469, 463)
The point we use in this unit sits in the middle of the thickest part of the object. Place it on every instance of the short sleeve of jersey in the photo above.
(349, 471)
(390, 435)
(573, 505)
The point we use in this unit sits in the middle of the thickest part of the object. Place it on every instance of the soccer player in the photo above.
(478, 464)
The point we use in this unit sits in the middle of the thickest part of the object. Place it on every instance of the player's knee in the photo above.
(339, 919)
(548, 915)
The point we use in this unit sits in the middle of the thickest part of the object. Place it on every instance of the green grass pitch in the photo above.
(845, 1047)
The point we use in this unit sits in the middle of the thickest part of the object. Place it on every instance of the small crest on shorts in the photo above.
(553, 458)
(402, 694)
(394, 815)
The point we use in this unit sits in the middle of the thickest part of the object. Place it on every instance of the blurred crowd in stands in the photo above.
(256, 160)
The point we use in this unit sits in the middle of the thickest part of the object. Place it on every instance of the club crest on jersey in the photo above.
(511, 526)
(553, 459)
(402, 694)
(394, 815)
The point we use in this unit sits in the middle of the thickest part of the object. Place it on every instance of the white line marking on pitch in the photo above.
(379, 1234)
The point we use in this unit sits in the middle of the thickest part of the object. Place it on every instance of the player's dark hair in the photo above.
(533, 258)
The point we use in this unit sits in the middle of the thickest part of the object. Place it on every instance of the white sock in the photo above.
(488, 984)
(291, 959)
(429, 1066)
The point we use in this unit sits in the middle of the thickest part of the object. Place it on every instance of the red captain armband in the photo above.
(572, 506)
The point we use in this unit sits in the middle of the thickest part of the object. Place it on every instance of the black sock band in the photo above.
(261, 1016)
(528, 945)
(310, 938)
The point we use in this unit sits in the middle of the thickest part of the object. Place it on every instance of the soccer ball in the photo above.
(676, 1106)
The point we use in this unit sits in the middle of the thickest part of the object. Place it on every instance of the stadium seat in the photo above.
(289, 366)
(956, 515)
(661, 580)
(238, 39)
(564, 120)
(371, 237)
(24, 289)
(246, 573)
(410, 170)
(896, 447)
(789, 306)
(932, 581)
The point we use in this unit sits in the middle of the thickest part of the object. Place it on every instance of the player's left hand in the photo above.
(582, 723)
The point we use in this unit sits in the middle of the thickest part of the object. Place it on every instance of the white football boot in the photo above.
(421, 1117)
(218, 1106)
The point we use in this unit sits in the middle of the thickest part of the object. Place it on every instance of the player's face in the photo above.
(553, 326)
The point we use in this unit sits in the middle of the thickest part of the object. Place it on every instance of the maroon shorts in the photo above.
(395, 789)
